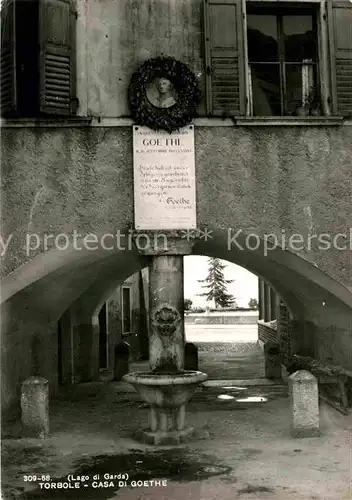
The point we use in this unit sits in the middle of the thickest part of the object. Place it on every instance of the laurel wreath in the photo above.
(185, 84)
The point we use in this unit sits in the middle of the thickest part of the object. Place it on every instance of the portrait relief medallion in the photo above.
(161, 93)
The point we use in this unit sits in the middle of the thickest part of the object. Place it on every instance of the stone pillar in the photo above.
(273, 305)
(267, 303)
(168, 387)
(167, 338)
(304, 398)
(35, 407)
(261, 286)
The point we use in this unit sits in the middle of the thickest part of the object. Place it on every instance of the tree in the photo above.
(253, 304)
(216, 284)
(187, 305)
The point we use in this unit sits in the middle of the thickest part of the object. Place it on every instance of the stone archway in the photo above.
(37, 294)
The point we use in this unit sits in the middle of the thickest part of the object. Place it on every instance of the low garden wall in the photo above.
(219, 319)
(267, 332)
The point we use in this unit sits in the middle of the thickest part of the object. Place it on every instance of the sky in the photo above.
(243, 288)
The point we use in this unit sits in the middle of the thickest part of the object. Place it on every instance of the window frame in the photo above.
(323, 61)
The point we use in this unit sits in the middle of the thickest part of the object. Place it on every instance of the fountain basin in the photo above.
(166, 390)
(166, 395)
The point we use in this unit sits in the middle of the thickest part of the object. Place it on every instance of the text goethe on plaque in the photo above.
(164, 179)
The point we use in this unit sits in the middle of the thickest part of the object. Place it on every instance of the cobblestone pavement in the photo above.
(224, 360)
(231, 361)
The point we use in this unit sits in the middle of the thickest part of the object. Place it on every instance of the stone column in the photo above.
(168, 387)
(35, 407)
(267, 303)
(167, 338)
(273, 305)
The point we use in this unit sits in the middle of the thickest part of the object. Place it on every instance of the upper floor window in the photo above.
(37, 58)
(282, 62)
(278, 58)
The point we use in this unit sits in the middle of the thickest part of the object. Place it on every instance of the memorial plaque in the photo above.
(164, 179)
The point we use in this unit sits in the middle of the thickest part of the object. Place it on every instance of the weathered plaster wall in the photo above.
(61, 180)
(260, 180)
(293, 179)
(265, 179)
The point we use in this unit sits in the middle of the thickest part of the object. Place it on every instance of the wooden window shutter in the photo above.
(340, 32)
(56, 53)
(8, 59)
(225, 57)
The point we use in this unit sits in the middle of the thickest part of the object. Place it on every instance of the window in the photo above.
(282, 62)
(37, 58)
(278, 58)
